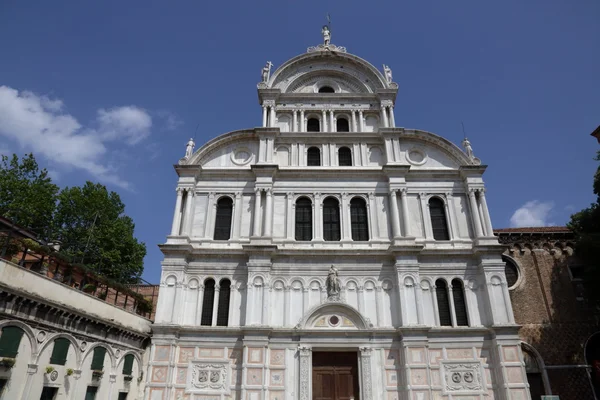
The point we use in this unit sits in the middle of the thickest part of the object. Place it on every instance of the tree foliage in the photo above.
(89, 221)
(586, 226)
(27, 194)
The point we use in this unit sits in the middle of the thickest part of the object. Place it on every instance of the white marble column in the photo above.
(426, 218)
(395, 216)
(448, 218)
(302, 121)
(210, 210)
(177, 214)
(317, 217)
(361, 299)
(365, 369)
(270, 150)
(361, 121)
(295, 121)
(345, 218)
(486, 213)
(373, 222)
(257, 216)
(354, 127)
(475, 213)
(451, 301)
(216, 304)
(265, 305)
(272, 117)
(305, 356)
(289, 231)
(451, 212)
(331, 121)
(392, 119)
(286, 306)
(264, 116)
(269, 213)
(200, 303)
(436, 309)
(384, 116)
(379, 305)
(324, 121)
(189, 205)
(237, 215)
(405, 216)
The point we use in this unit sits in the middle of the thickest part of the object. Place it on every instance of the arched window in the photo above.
(208, 302)
(303, 219)
(223, 311)
(128, 364)
(10, 341)
(344, 157)
(223, 218)
(331, 219)
(60, 350)
(437, 212)
(359, 220)
(313, 125)
(326, 89)
(460, 307)
(441, 292)
(313, 157)
(342, 125)
(511, 271)
(98, 358)
(534, 374)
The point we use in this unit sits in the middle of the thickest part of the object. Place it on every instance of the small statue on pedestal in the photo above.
(333, 285)
(189, 149)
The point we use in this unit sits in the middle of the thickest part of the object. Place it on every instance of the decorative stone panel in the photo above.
(186, 354)
(159, 374)
(255, 355)
(278, 357)
(254, 376)
(462, 377)
(211, 377)
(161, 353)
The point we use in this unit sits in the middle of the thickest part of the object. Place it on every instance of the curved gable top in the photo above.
(349, 68)
(208, 149)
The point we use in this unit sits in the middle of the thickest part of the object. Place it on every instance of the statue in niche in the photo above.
(189, 148)
(266, 72)
(467, 145)
(326, 35)
(333, 284)
(388, 73)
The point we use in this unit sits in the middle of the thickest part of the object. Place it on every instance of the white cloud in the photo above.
(37, 124)
(532, 213)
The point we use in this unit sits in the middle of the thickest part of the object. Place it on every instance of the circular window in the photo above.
(416, 157)
(334, 320)
(512, 273)
(326, 89)
(241, 156)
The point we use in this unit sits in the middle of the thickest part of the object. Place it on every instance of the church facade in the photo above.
(329, 254)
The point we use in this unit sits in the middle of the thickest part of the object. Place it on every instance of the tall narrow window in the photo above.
(313, 125)
(223, 311)
(441, 292)
(90, 393)
(344, 157)
(331, 219)
(437, 212)
(208, 302)
(303, 219)
(342, 125)
(358, 218)
(460, 308)
(534, 374)
(10, 341)
(98, 358)
(313, 156)
(223, 218)
(60, 351)
(128, 364)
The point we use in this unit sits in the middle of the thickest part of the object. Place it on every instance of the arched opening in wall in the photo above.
(511, 271)
(128, 364)
(303, 219)
(223, 218)
(460, 307)
(441, 292)
(344, 157)
(326, 89)
(342, 125)
(10, 341)
(331, 219)
(359, 219)
(313, 125)
(592, 357)
(223, 311)
(208, 302)
(98, 358)
(534, 373)
(439, 224)
(60, 350)
(313, 157)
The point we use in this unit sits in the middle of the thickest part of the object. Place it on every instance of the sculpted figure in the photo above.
(388, 73)
(467, 145)
(266, 72)
(333, 284)
(189, 148)
(326, 35)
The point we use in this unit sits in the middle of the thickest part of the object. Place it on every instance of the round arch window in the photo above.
(326, 89)
(511, 271)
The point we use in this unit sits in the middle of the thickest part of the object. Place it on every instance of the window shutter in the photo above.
(223, 311)
(208, 303)
(223, 219)
(98, 360)
(441, 293)
(359, 220)
(10, 341)
(128, 365)
(437, 212)
(60, 351)
(460, 308)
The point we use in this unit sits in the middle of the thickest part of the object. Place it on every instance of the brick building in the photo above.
(559, 328)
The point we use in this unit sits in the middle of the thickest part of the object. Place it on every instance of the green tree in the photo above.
(94, 230)
(586, 226)
(27, 194)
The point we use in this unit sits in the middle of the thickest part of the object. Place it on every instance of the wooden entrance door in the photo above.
(335, 376)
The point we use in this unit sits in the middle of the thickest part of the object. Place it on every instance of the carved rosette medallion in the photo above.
(209, 377)
(463, 377)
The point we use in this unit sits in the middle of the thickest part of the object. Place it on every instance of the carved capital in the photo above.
(304, 351)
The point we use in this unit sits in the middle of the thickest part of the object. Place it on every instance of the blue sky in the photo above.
(110, 91)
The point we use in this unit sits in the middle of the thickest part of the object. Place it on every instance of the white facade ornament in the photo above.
(468, 149)
(333, 285)
(189, 148)
(462, 377)
(266, 72)
(388, 73)
(326, 35)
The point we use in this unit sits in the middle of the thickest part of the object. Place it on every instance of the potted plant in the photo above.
(7, 362)
(49, 369)
(70, 371)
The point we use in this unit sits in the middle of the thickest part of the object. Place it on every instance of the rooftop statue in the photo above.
(388, 73)
(189, 149)
(326, 35)
(468, 149)
(266, 72)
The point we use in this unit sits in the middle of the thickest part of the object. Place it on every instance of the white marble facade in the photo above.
(278, 312)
